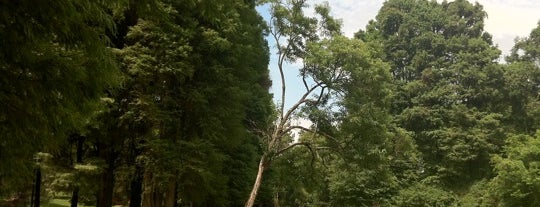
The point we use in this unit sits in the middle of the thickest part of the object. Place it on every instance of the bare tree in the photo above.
(293, 32)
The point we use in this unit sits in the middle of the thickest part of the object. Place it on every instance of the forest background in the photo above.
(167, 103)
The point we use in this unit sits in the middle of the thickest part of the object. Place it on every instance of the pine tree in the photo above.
(54, 66)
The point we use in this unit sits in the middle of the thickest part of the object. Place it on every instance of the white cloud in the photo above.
(355, 14)
(510, 19)
(299, 122)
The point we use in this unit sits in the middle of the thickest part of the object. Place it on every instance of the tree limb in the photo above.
(305, 83)
(288, 129)
(297, 104)
(306, 144)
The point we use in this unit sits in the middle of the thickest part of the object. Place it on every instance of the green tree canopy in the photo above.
(196, 83)
(516, 182)
(54, 66)
(447, 83)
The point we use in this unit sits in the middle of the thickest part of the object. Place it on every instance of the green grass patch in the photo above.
(61, 202)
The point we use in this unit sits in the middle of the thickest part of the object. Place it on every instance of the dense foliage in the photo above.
(54, 67)
(167, 103)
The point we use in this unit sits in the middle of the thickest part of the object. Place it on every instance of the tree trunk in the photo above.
(37, 189)
(148, 192)
(79, 157)
(136, 189)
(105, 195)
(75, 197)
(276, 199)
(158, 198)
(257, 184)
(170, 199)
(146, 195)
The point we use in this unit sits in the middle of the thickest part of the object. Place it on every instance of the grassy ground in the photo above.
(60, 202)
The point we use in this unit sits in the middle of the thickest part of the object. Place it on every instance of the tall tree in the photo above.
(362, 119)
(522, 79)
(195, 82)
(514, 183)
(292, 31)
(333, 67)
(54, 66)
(447, 82)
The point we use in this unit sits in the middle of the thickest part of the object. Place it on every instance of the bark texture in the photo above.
(257, 184)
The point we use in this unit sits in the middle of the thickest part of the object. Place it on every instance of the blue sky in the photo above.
(295, 88)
